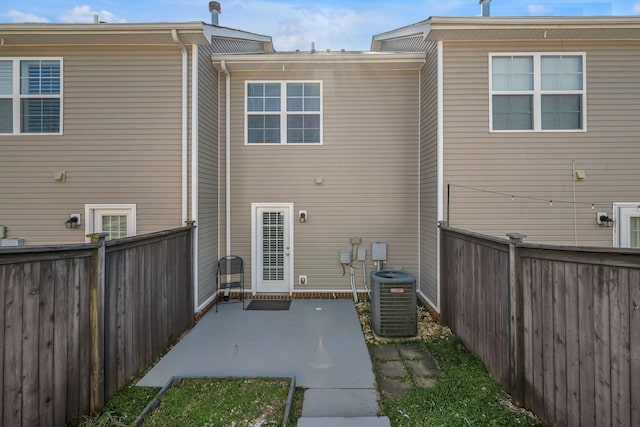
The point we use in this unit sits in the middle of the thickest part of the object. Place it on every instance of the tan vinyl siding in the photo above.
(429, 175)
(208, 175)
(370, 169)
(121, 144)
(538, 164)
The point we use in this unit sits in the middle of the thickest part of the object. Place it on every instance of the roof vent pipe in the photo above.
(215, 9)
(485, 6)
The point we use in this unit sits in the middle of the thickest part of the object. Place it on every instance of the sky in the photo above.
(331, 24)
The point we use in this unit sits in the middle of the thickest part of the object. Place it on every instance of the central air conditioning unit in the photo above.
(394, 310)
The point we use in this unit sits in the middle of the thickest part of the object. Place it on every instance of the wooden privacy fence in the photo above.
(79, 321)
(559, 327)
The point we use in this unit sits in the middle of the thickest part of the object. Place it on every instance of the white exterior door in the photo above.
(272, 245)
(628, 225)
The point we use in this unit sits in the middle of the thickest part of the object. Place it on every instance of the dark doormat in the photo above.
(265, 304)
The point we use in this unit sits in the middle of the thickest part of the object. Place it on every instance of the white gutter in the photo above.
(195, 146)
(185, 142)
(227, 138)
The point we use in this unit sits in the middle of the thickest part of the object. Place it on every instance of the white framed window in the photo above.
(283, 112)
(117, 220)
(30, 96)
(537, 92)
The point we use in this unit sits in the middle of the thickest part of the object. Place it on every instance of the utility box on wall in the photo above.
(12, 242)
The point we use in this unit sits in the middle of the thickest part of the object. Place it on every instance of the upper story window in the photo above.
(30, 95)
(284, 112)
(537, 92)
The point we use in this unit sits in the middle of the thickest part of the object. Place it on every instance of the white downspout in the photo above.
(440, 163)
(227, 138)
(195, 171)
(185, 142)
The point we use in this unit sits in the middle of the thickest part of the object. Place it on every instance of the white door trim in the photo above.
(618, 217)
(254, 245)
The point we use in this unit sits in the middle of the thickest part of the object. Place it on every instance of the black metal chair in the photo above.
(229, 275)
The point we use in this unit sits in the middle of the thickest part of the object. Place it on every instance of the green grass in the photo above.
(222, 402)
(123, 408)
(465, 394)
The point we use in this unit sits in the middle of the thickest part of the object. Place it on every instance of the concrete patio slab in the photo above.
(319, 342)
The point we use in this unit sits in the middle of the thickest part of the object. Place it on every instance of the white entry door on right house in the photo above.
(627, 225)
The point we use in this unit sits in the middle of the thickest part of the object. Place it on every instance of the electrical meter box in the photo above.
(345, 256)
(379, 251)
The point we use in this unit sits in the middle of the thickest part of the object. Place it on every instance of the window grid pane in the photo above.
(513, 112)
(115, 225)
(40, 77)
(561, 112)
(6, 116)
(40, 115)
(6, 77)
(561, 72)
(303, 128)
(512, 73)
(263, 129)
(635, 231)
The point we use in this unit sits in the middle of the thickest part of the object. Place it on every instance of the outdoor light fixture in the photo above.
(303, 216)
(604, 220)
(73, 221)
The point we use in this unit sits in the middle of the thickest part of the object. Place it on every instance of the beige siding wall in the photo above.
(369, 162)
(208, 175)
(121, 144)
(538, 165)
(429, 175)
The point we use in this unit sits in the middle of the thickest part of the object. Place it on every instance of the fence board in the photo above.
(547, 335)
(61, 275)
(13, 348)
(573, 344)
(73, 339)
(4, 281)
(527, 316)
(84, 387)
(602, 346)
(537, 300)
(634, 345)
(585, 334)
(559, 344)
(30, 344)
(619, 311)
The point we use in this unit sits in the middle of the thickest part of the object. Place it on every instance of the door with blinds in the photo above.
(273, 251)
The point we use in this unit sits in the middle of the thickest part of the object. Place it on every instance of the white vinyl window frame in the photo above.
(94, 211)
(283, 113)
(17, 97)
(537, 91)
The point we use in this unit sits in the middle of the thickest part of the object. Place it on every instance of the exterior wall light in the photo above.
(302, 215)
(73, 221)
(604, 220)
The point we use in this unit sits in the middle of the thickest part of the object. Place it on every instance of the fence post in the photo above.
(516, 323)
(443, 279)
(96, 320)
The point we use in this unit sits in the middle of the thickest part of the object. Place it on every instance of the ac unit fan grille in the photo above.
(394, 309)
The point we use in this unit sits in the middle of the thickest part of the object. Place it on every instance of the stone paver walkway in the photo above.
(399, 367)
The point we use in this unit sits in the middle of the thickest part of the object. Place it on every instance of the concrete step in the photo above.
(341, 402)
(344, 422)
